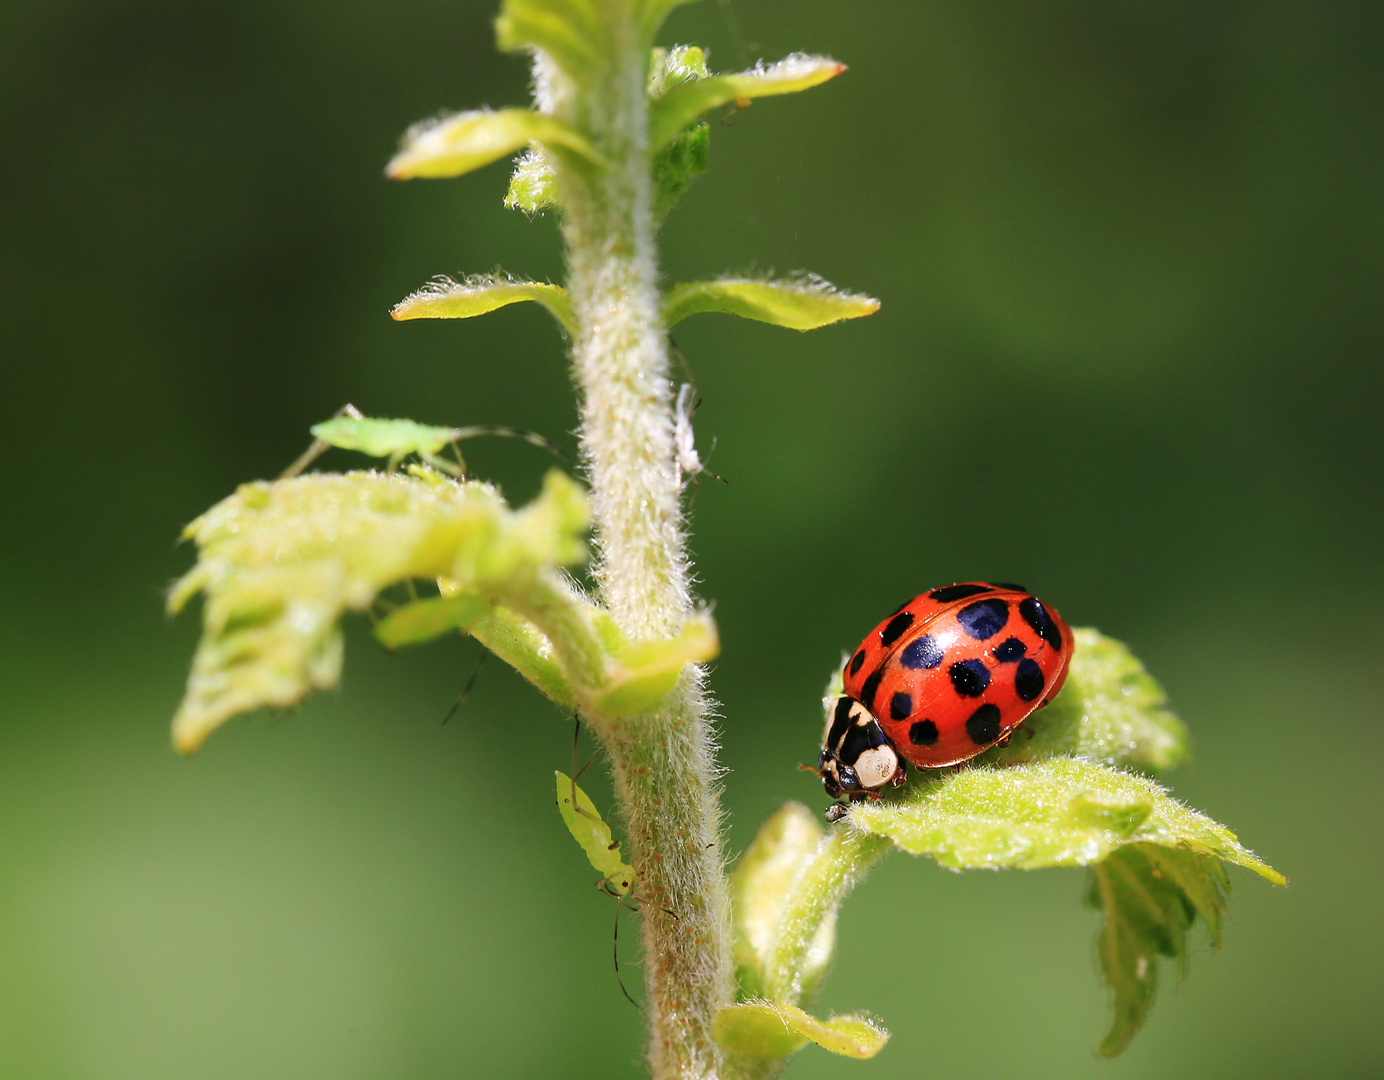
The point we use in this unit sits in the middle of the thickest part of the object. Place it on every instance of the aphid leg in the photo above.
(575, 773)
(470, 684)
(318, 447)
(615, 952)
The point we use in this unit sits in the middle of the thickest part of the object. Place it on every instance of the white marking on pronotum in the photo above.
(875, 767)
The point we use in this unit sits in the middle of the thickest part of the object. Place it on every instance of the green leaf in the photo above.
(443, 298)
(533, 186)
(646, 671)
(677, 165)
(570, 31)
(764, 879)
(1056, 812)
(1149, 896)
(280, 563)
(769, 1030)
(681, 105)
(1110, 710)
(591, 832)
(803, 303)
(684, 158)
(669, 68)
(458, 144)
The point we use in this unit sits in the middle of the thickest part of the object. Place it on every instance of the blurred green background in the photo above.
(1130, 262)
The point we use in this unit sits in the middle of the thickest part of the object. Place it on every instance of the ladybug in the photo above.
(944, 678)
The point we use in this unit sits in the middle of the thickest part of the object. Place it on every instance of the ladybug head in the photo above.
(857, 757)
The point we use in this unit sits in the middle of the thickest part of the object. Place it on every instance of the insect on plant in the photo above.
(395, 440)
(617, 132)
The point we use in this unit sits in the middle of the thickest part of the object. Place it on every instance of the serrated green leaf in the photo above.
(458, 144)
(443, 298)
(769, 1030)
(533, 185)
(681, 105)
(799, 303)
(1056, 812)
(764, 878)
(646, 671)
(591, 832)
(570, 31)
(281, 562)
(1149, 896)
(1110, 710)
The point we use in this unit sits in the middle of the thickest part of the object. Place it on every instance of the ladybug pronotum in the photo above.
(944, 678)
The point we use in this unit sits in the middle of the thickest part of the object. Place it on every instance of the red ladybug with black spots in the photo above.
(947, 676)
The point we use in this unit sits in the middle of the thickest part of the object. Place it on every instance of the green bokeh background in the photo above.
(1130, 262)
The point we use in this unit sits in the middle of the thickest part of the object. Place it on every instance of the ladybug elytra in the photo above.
(944, 678)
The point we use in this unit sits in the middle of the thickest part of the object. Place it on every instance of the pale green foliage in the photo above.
(1110, 710)
(443, 298)
(764, 879)
(533, 187)
(682, 104)
(572, 32)
(1155, 859)
(280, 562)
(1150, 896)
(457, 144)
(803, 303)
(592, 834)
(774, 1029)
(1053, 812)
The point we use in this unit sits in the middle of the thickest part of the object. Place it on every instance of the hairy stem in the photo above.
(663, 761)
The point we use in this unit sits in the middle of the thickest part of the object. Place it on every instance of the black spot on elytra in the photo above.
(856, 661)
(984, 725)
(983, 619)
(923, 733)
(900, 705)
(923, 652)
(970, 677)
(1009, 650)
(1036, 615)
(1008, 585)
(948, 593)
(870, 688)
(895, 628)
(901, 607)
(840, 721)
(1028, 680)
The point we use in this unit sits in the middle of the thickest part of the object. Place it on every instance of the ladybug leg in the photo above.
(900, 776)
(1005, 741)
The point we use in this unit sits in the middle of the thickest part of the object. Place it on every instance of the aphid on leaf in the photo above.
(397, 439)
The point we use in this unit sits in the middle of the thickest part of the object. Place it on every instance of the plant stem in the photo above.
(841, 861)
(662, 762)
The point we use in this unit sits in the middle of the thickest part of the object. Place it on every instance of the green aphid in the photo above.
(398, 439)
(589, 829)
